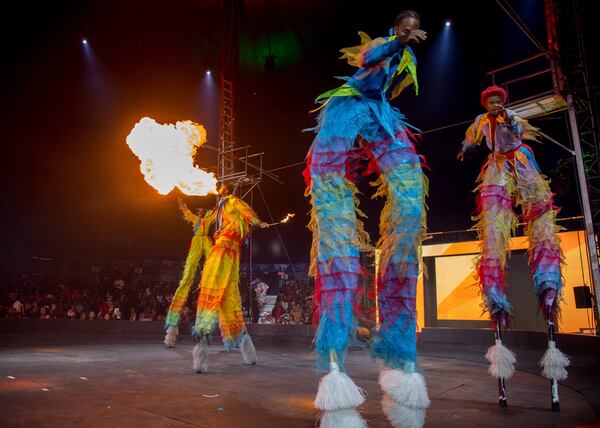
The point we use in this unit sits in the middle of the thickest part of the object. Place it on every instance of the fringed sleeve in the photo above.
(370, 53)
(188, 215)
(522, 129)
(473, 136)
(247, 213)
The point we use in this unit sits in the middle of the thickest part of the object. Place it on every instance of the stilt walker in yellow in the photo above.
(200, 246)
(219, 299)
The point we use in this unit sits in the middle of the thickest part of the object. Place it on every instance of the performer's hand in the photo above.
(461, 155)
(500, 111)
(263, 225)
(413, 37)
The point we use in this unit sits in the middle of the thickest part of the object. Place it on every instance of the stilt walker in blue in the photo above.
(357, 119)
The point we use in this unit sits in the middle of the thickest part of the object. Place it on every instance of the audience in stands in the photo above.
(33, 295)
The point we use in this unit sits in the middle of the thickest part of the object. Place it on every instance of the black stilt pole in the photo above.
(502, 400)
(553, 382)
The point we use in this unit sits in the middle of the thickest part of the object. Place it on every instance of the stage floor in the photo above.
(130, 385)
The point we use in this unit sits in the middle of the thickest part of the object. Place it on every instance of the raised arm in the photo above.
(377, 53)
(374, 54)
(187, 214)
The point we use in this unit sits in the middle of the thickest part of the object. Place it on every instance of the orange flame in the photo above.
(288, 217)
(165, 153)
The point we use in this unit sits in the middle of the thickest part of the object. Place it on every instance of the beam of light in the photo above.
(206, 110)
(444, 46)
(441, 65)
(166, 156)
(96, 79)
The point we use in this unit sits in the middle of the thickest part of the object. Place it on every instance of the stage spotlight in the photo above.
(208, 72)
(84, 41)
(448, 23)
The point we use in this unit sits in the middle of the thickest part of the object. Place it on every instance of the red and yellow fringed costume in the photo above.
(219, 299)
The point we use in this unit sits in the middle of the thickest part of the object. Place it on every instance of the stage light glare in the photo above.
(84, 41)
(208, 72)
(448, 23)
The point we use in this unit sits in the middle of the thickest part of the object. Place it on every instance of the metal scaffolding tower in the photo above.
(562, 67)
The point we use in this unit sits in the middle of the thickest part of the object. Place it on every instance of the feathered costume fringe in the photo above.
(554, 363)
(338, 234)
(338, 398)
(200, 246)
(219, 299)
(200, 357)
(402, 228)
(504, 178)
(359, 111)
(405, 398)
(502, 361)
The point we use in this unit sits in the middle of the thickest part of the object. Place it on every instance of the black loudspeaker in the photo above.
(583, 297)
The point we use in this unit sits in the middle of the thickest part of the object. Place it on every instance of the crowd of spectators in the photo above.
(34, 295)
(30, 295)
(293, 304)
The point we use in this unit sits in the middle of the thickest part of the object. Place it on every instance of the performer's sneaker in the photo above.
(200, 354)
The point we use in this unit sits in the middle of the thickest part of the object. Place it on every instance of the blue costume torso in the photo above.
(380, 74)
(385, 65)
(386, 68)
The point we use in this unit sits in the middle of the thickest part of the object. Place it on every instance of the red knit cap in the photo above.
(491, 91)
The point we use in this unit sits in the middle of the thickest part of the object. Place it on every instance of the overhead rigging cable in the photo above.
(276, 230)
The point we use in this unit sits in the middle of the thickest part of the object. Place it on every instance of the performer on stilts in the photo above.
(219, 300)
(200, 246)
(511, 176)
(357, 119)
